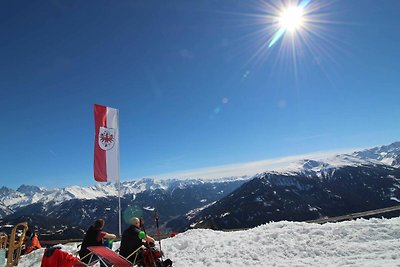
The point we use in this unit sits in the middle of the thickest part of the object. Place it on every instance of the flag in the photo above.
(106, 144)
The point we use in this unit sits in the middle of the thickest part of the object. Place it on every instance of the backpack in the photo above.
(151, 257)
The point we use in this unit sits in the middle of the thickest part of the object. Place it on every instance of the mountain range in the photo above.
(72, 210)
(309, 190)
(305, 190)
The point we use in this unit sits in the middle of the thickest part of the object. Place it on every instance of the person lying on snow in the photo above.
(94, 237)
(134, 238)
(32, 242)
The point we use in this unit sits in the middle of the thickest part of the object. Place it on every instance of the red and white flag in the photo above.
(106, 144)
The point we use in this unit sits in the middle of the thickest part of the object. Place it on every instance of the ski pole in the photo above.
(158, 230)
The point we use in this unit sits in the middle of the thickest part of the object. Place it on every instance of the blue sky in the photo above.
(195, 84)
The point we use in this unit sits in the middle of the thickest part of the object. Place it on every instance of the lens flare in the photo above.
(130, 212)
(291, 36)
(291, 19)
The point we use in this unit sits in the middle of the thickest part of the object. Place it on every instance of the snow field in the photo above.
(374, 242)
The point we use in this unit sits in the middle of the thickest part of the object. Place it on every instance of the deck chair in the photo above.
(3, 240)
(3, 247)
(110, 258)
(16, 243)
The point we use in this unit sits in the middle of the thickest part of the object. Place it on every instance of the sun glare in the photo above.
(289, 33)
(291, 19)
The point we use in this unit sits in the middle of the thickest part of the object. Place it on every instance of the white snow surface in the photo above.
(374, 242)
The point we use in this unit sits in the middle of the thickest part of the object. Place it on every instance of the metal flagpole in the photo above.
(119, 208)
(119, 186)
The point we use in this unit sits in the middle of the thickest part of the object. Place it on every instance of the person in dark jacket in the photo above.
(131, 241)
(93, 237)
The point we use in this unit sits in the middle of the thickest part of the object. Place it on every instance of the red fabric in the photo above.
(100, 236)
(112, 257)
(59, 258)
(100, 166)
(149, 255)
(35, 244)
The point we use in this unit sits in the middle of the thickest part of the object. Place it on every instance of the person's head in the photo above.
(135, 222)
(99, 224)
(28, 233)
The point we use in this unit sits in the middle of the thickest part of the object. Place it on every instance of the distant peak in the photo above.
(28, 189)
(395, 144)
(5, 190)
(309, 163)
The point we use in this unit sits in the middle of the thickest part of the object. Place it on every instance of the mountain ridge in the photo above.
(309, 189)
(182, 203)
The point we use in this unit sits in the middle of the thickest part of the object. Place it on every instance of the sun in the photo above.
(291, 19)
(289, 33)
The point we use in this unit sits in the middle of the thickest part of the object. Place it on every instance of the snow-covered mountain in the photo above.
(389, 154)
(300, 197)
(306, 190)
(303, 190)
(77, 207)
(26, 194)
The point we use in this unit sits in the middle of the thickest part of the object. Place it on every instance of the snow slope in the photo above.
(374, 242)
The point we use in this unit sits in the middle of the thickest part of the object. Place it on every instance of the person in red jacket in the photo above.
(55, 257)
(32, 242)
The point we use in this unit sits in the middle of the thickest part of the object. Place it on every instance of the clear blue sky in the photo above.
(195, 84)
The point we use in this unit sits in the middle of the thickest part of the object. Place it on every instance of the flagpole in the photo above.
(119, 186)
(107, 118)
(119, 208)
